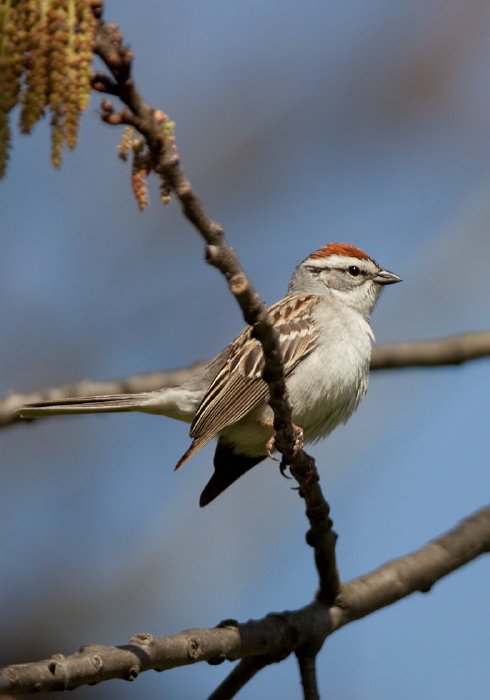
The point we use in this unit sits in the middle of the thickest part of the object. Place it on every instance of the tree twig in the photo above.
(451, 350)
(134, 384)
(243, 672)
(307, 671)
(320, 536)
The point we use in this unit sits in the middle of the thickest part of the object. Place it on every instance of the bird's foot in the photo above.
(298, 445)
(269, 446)
(299, 438)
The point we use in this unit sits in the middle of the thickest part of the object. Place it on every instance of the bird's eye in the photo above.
(353, 270)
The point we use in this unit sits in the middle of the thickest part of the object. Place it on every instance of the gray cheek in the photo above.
(341, 282)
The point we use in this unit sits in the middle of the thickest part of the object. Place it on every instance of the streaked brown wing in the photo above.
(239, 386)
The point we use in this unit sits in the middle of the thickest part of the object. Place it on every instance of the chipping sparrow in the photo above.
(325, 337)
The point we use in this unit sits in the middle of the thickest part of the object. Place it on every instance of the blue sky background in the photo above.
(299, 124)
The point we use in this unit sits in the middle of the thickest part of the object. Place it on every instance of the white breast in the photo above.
(328, 385)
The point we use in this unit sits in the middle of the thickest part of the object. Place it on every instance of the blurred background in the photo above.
(299, 123)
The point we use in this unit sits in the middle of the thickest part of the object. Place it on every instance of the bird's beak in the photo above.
(386, 277)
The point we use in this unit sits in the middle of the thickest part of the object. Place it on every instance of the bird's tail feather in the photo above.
(91, 404)
(228, 467)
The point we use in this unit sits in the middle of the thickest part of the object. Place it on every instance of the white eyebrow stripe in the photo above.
(338, 261)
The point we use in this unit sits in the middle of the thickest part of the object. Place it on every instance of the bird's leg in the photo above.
(269, 445)
(298, 444)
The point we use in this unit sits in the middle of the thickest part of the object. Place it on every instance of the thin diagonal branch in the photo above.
(166, 162)
(274, 636)
(320, 536)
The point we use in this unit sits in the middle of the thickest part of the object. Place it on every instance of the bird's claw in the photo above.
(269, 447)
(299, 438)
(282, 468)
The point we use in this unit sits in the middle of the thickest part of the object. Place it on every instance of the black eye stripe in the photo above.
(353, 270)
(315, 270)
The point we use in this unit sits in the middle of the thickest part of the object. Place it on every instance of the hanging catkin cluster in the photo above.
(45, 66)
(133, 146)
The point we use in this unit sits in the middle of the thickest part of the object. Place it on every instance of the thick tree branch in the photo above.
(273, 637)
(417, 571)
